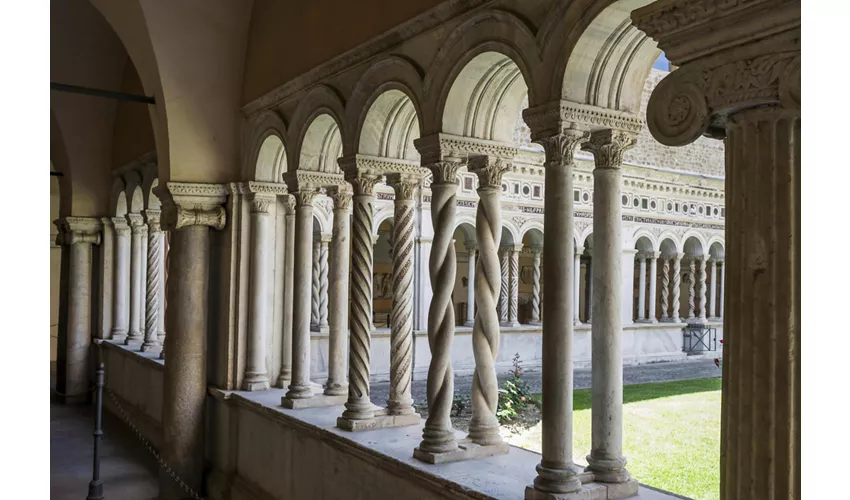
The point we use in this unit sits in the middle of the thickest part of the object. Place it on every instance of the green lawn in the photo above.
(671, 435)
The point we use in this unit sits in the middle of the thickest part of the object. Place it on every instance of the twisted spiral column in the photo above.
(400, 401)
(438, 436)
(702, 290)
(299, 386)
(692, 282)
(153, 305)
(484, 426)
(535, 284)
(504, 288)
(323, 282)
(677, 287)
(513, 302)
(314, 296)
(358, 406)
(665, 289)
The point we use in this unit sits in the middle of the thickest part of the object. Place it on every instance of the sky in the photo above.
(662, 63)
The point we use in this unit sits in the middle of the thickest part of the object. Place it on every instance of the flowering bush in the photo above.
(719, 361)
(514, 395)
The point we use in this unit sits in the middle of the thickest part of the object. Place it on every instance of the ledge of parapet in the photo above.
(149, 358)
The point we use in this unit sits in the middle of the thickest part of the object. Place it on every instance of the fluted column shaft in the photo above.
(641, 312)
(484, 426)
(665, 289)
(121, 291)
(288, 294)
(153, 298)
(606, 459)
(256, 377)
(338, 292)
(712, 302)
(139, 232)
(535, 285)
(359, 406)
(504, 288)
(400, 401)
(577, 284)
(438, 436)
(299, 386)
(513, 302)
(702, 290)
(472, 252)
(653, 278)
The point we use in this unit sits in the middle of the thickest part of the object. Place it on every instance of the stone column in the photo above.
(513, 301)
(702, 290)
(285, 376)
(692, 284)
(577, 284)
(472, 250)
(438, 435)
(107, 278)
(256, 377)
(505, 287)
(324, 241)
(359, 406)
(153, 297)
(299, 387)
(400, 400)
(588, 301)
(641, 312)
(139, 232)
(677, 287)
(188, 211)
(712, 303)
(722, 287)
(535, 284)
(73, 372)
(665, 289)
(739, 79)
(338, 292)
(316, 267)
(653, 278)
(484, 426)
(164, 244)
(121, 290)
(606, 460)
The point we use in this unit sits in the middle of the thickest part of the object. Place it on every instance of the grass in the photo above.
(671, 435)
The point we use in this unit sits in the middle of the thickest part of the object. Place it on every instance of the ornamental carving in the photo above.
(677, 16)
(404, 185)
(560, 148)
(305, 197)
(489, 171)
(445, 172)
(363, 184)
(608, 147)
(214, 217)
(341, 196)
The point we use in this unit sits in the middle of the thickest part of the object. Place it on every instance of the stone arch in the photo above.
(533, 234)
(491, 31)
(389, 127)
(264, 146)
(716, 248)
(643, 244)
(137, 200)
(467, 218)
(693, 243)
(468, 230)
(390, 74)
(382, 214)
(648, 236)
(509, 235)
(596, 55)
(586, 237)
(318, 126)
(668, 246)
(121, 207)
(322, 217)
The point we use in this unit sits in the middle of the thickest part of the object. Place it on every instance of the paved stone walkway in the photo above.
(127, 472)
(637, 374)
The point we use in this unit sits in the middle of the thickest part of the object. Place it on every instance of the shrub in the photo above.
(514, 395)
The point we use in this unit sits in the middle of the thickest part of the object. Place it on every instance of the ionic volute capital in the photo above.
(79, 230)
(489, 170)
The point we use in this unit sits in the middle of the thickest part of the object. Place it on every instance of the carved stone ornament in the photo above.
(445, 172)
(489, 171)
(261, 202)
(305, 197)
(553, 118)
(79, 230)
(560, 148)
(439, 147)
(608, 147)
(153, 218)
(186, 204)
(722, 70)
(363, 184)
(341, 196)
(404, 185)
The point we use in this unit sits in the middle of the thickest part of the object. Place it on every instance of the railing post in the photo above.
(96, 485)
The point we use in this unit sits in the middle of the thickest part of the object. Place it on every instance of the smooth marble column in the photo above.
(340, 257)
(472, 251)
(641, 309)
(285, 376)
(139, 232)
(722, 287)
(299, 387)
(256, 376)
(712, 302)
(153, 297)
(359, 406)
(107, 278)
(438, 435)
(400, 401)
(556, 471)
(535, 284)
(606, 459)
(577, 285)
(121, 290)
(653, 278)
(74, 373)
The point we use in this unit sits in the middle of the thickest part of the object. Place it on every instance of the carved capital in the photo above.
(153, 218)
(560, 148)
(305, 197)
(122, 228)
(489, 171)
(213, 217)
(261, 202)
(324, 238)
(79, 230)
(404, 185)
(289, 202)
(341, 196)
(608, 147)
(188, 204)
(471, 246)
(137, 223)
(363, 184)
(445, 172)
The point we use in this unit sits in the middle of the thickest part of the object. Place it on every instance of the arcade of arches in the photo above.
(420, 191)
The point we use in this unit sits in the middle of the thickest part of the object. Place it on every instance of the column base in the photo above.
(118, 338)
(336, 390)
(316, 401)
(466, 450)
(134, 340)
(382, 420)
(509, 324)
(320, 329)
(535, 322)
(255, 384)
(283, 381)
(589, 491)
(150, 347)
(469, 323)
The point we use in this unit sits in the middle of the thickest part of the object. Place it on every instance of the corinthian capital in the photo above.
(561, 147)
(404, 184)
(341, 196)
(363, 184)
(153, 218)
(731, 55)
(489, 171)
(608, 147)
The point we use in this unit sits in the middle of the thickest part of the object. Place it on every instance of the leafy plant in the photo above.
(514, 395)
(460, 403)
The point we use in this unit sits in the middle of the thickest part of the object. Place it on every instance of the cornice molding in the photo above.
(300, 180)
(552, 118)
(439, 147)
(187, 204)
